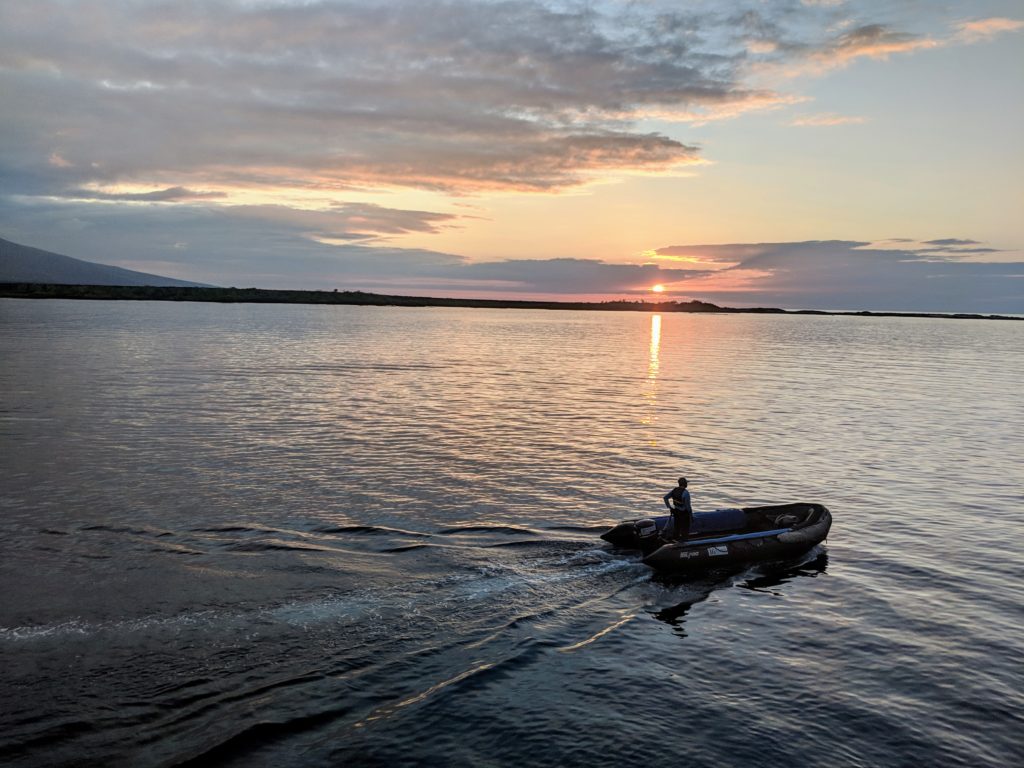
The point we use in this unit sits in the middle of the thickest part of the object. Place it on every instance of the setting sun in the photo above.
(658, 288)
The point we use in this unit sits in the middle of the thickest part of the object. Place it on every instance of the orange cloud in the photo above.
(879, 42)
(984, 29)
(57, 161)
(738, 280)
(826, 119)
(872, 41)
(694, 261)
(751, 101)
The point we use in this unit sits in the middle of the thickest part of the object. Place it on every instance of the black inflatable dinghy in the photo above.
(726, 537)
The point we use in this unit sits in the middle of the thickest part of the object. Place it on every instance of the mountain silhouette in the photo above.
(24, 264)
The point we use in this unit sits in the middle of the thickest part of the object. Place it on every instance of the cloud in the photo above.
(840, 274)
(873, 41)
(57, 161)
(459, 96)
(346, 221)
(948, 251)
(949, 241)
(984, 29)
(171, 194)
(796, 58)
(348, 248)
(569, 277)
(277, 246)
(714, 257)
(946, 248)
(853, 40)
(753, 101)
(827, 119)
(262, 245)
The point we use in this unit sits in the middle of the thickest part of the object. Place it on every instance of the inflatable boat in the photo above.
(725, 538)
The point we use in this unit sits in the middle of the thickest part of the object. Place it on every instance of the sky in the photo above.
(822, 154)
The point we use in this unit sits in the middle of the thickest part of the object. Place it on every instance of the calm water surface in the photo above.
(315, 536)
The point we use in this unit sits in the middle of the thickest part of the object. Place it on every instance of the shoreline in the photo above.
(361, 298)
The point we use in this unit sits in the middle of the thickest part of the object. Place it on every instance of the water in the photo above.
(311, 536)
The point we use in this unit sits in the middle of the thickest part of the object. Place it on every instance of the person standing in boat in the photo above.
(678, 502)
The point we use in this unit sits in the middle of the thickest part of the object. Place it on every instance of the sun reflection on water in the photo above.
(653, 364)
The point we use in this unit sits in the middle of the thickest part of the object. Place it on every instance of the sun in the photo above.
(658, 288)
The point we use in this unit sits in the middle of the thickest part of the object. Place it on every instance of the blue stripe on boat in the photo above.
(734, 537)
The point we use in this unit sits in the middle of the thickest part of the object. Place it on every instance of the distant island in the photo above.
(360, 298)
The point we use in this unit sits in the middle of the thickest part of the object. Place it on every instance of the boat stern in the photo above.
(621, 535)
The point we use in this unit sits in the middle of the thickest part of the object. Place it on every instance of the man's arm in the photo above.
(666, 497)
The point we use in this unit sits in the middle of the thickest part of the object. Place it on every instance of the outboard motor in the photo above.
(648, 537)
(646, 531)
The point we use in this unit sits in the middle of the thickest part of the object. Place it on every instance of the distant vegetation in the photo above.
(262, 296)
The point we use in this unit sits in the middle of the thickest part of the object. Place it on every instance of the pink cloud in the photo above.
(872, 41)
(984, 29)
(827, 119)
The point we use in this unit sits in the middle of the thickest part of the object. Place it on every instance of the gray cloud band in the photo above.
(277, 247)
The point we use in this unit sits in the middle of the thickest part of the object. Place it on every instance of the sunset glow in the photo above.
(735, 152)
